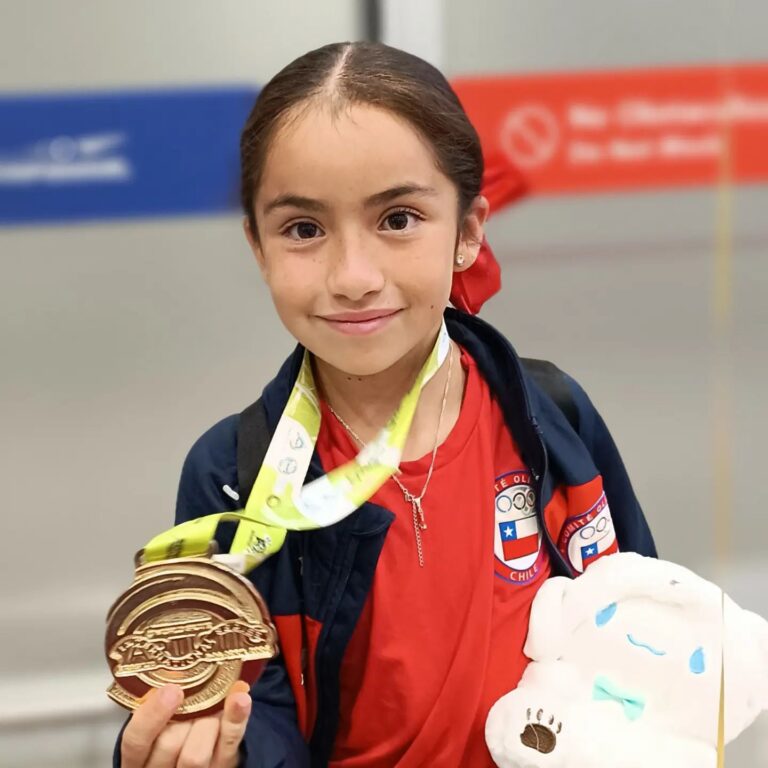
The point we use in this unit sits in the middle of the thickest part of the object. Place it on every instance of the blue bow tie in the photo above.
(604, 689)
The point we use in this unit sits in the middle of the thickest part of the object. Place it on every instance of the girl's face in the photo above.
(357, 236)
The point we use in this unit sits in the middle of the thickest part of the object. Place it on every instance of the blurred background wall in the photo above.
(121, 342)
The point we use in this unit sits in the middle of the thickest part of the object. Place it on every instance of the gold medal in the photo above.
(189, 621)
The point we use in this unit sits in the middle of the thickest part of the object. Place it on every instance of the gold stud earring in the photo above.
(459, 259)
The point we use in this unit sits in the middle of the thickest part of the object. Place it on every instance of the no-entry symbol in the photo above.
(530, 135)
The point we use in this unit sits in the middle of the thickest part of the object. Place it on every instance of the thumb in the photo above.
(237, 709)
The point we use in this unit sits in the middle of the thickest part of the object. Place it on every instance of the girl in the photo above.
(403, 623)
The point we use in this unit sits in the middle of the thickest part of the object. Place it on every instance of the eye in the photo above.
(603, 616)
(303, 230)
(696, 663)
(399, 221)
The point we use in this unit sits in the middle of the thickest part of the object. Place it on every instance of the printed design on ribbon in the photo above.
(517, 533)
(588, 536)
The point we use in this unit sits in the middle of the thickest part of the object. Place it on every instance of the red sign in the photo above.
(628, 129)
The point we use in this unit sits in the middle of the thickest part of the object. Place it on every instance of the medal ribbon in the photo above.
(280, 501)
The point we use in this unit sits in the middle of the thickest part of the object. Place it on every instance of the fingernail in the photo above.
(171, 695)
(240, 687)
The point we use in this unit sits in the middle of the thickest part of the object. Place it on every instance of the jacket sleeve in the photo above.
(209, 484)
(632, 531)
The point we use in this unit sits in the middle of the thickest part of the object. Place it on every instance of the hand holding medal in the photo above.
(151, 740)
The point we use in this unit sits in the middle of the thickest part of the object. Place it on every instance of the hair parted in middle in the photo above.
(343, 74)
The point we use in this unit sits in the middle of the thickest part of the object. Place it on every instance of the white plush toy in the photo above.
(625, 671)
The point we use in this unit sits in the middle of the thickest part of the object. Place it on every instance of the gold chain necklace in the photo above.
(419, 522)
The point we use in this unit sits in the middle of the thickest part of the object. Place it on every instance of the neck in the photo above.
(367, 402)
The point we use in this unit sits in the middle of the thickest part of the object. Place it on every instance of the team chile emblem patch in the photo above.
(517, 535)
(588, 536)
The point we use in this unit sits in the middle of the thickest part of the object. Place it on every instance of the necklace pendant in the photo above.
(420, 513)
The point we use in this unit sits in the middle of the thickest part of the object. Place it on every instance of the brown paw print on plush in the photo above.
(540, 736)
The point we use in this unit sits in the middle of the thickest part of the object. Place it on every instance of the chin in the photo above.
(364, 355)
(367, 362)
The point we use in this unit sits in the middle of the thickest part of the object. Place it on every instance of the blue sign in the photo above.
(86, 157)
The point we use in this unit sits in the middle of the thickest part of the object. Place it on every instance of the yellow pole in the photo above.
(722, 303)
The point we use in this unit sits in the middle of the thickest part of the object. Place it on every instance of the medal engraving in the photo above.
(192, 622)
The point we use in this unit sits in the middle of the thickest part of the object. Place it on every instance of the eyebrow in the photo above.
(399, 191)
(318, 206)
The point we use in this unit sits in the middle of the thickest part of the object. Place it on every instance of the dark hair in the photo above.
(374, 74)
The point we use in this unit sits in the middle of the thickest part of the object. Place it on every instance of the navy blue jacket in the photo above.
(317, 584)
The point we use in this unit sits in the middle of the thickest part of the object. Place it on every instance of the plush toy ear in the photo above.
(746, 668)
(760, 626)
(546, 628)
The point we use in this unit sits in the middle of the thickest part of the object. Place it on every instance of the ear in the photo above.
(253, 242)
(546, 627)
(471, 232)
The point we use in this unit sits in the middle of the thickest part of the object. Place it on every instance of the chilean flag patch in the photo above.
(519, 537)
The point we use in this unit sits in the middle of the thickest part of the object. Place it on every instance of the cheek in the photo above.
(433, 285)
(292, 281)
(425, 273)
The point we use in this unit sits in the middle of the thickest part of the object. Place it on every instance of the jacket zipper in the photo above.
(539, 479)
(319, 738)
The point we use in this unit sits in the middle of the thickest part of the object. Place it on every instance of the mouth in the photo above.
(360, 323)
(645, 646)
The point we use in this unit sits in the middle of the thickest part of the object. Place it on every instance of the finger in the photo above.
(237, 708)
(197, 751)
(147, 722)
(168, 745)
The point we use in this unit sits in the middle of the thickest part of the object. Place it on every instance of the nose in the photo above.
(354, 271)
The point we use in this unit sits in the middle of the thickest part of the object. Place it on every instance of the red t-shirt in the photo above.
(436, 646)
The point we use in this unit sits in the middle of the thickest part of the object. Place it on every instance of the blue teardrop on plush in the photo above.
(696, 662)
(602, 617)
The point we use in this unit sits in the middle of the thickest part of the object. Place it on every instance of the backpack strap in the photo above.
(253, 438)
(253, 434)
(555, 383)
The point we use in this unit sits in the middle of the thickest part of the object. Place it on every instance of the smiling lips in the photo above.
(360, 323)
